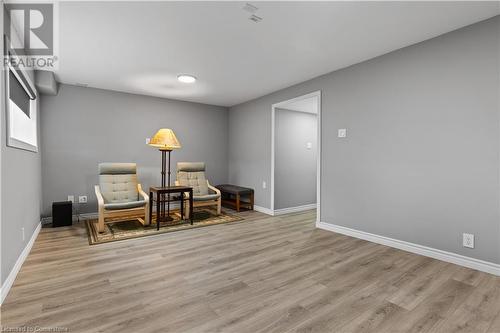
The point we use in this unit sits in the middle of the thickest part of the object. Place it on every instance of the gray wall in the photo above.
(21, 190)
(421, 160)
(82, 127)
(295, 165)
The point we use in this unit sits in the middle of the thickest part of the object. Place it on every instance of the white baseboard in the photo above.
(285, 210)
(5, 288)
(263, 210)
(94, 215)
(295, 209)
(451, 257)
(48, 219)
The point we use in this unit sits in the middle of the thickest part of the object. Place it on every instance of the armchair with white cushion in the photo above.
(192, 174)
(119, 195)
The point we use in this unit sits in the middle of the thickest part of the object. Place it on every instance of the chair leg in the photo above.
(186, 208)
(147, 218)
(100, 223)
(219, 202)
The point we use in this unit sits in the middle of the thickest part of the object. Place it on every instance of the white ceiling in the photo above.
(309, 105)
(140, 47)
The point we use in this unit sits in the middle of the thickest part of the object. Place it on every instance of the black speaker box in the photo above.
(62, 213)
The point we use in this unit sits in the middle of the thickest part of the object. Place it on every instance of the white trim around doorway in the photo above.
(318, 168)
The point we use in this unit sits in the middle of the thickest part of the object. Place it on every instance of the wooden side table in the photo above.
(162, 197)
(232, 196)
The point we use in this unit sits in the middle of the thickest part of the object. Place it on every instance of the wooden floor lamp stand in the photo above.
(161, 215)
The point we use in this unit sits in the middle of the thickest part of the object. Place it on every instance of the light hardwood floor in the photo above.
(267, 274)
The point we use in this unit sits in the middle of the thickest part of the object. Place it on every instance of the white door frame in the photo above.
(318, 168)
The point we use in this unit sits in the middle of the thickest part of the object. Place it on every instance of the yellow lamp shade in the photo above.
(165, 139)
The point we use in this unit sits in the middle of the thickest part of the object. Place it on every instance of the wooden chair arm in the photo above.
(100, 199)
(142, 193)
(213, 188)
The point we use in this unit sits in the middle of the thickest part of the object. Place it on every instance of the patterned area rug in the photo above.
(134, 229)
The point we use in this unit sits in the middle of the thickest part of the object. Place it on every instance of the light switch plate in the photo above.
(309, 145)
(342, 133)
(468, 240)
(71, 198)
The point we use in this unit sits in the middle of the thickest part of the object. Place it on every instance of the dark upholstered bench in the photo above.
(232, 196)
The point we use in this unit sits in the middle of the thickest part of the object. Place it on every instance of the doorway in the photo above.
(296, 155)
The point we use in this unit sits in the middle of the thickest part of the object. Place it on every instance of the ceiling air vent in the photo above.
(255, 18)
(250, 8)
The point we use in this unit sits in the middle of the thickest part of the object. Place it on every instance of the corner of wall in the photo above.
(18, 169)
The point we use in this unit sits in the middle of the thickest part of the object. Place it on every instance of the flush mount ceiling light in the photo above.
(186, 78)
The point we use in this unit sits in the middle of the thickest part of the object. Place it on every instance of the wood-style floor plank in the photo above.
(265, 274)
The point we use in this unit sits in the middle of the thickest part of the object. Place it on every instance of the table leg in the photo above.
(159, 197)
(191, 206)
(150, 208)
(162, 205)
(168, 205)
(158, 211)
(182, 206)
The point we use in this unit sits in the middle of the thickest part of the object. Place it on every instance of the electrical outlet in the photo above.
(22, 234)
(82, 199)
(342, 133)
(71, 198)
(309, 145)
(264, 185)
(468, 240)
